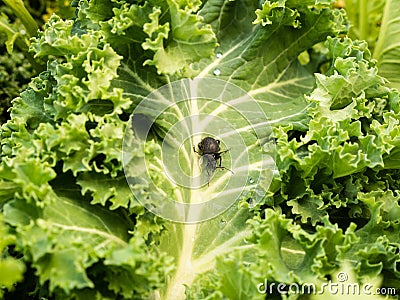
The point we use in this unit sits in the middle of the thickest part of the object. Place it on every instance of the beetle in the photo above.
(209, 151)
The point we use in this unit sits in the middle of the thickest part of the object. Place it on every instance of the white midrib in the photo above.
(185, 273)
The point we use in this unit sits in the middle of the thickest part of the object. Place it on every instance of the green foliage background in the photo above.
(70, 226)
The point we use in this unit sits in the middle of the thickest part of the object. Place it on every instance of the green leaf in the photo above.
(30, 109)
(69, 238)
(12, 269)
(223, 222)
(22, 13)
(356, 289)
(187, 39)
(277, 12)
(104, 188)
(11, 272)
(278, 252)
(196, 246)
(240, 286)
(170, 169)
(139, 270)
(365, 20)
(264, 60)
(387, 50)
(308, 208)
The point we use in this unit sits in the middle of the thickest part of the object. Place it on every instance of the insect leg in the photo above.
(224, 168)
(224, 151)
(220, 162)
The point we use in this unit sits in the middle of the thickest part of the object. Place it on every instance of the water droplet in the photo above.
(251, 180)
(222, 223)
(246, 264)
(219, 55)
(217, 72)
